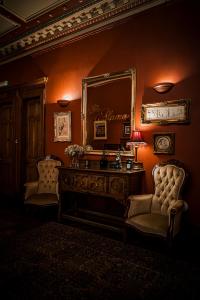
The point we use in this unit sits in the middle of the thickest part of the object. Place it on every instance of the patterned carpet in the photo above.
(56, 261)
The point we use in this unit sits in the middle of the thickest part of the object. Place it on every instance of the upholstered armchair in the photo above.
(44, 191)
(160, 214)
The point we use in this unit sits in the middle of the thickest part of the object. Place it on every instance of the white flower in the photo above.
(74, 150)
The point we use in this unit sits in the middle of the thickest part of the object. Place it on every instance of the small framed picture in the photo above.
(62, 126)
(164, 143)
(100, 130)
(126, 129)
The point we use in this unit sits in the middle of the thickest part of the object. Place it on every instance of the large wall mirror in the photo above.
(108, 103)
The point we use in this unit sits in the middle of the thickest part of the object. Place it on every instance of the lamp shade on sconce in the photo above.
(63, 103)
(163, 87)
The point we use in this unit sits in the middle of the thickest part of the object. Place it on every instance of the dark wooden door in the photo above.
(21, 137)
(32, 131)
(7, 144)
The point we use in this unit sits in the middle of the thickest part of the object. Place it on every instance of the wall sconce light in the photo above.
(163, 87)
(136, 140)
(63, 103)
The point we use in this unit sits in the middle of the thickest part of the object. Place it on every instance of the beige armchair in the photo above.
(160, 214)
(44, 191)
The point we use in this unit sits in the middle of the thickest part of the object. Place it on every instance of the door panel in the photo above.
(7, 149)
(33, 133)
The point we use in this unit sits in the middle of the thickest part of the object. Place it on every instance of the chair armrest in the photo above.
(139, 204)
(177, 206)
(31, 188)
(175, 212)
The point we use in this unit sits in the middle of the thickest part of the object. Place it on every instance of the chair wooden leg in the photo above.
(125, 235)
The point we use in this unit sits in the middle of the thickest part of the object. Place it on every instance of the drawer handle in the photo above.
(94, 185)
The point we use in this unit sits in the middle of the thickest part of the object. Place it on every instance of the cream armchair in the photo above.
(160, 213)
(44, 192)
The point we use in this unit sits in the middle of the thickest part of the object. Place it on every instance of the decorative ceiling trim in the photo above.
(88, 19)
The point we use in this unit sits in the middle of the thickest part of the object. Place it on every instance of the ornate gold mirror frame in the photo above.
(103, 80)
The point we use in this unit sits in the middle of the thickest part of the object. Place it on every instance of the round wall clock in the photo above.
(164, 143)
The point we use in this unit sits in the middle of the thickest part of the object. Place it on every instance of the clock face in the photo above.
(163, 143)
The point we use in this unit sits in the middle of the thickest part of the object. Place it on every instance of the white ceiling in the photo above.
(24, 10)
(6, 25)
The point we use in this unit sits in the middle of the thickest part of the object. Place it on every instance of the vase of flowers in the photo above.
(74, 152)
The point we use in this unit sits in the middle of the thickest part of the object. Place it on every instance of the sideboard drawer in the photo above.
(97, 183)
(118, 186)
(83, 182)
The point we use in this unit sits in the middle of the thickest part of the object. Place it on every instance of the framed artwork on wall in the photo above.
(100, 130)
(62, 126)
(176, 111)
(164, 143)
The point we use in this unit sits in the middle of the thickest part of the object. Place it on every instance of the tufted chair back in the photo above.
(168, 181)
(48, 175)
(44, 191)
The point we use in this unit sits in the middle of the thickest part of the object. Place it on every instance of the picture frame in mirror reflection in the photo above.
(62, 126)
(126, 129)
(100, 130)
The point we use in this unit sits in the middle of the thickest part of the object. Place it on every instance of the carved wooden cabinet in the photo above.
(107, 189)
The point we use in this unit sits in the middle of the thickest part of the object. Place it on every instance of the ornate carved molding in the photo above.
(92, 17)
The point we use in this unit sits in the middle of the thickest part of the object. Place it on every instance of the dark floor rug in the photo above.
(57, 261)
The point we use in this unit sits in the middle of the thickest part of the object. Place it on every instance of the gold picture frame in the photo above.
(164, 143)
(100, 130)
(62, 126)
(175, 111)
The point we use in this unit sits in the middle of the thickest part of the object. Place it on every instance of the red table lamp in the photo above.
(136, 140)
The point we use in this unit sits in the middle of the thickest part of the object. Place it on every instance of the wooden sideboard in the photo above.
(96, 196)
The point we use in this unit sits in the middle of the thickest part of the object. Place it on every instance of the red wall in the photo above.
(163, 45)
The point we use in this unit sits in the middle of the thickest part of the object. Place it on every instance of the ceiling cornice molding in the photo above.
(88, 19)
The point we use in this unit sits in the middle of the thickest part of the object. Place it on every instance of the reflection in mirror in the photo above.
(108, 111)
